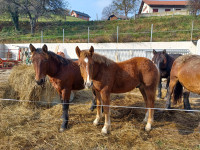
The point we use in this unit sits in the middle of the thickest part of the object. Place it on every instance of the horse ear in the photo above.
(78, 51)
(164, 51)
(44, 48)
(154, 51)
(32, 48)
(91, 50)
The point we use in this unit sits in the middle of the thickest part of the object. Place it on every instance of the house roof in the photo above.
(118, 16)
(158, 2)
(81, 14)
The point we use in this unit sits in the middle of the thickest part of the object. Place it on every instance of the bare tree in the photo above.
(107, 11)
(125, 6)
(37, 8)
(194, 6)
(12, 10)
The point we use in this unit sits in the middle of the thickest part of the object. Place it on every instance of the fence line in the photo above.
(86, 33)
(111, 106)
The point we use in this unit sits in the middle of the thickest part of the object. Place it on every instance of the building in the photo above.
(160, 6)
(116, 17)
(80, 15)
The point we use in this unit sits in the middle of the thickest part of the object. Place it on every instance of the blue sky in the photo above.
(90, 7)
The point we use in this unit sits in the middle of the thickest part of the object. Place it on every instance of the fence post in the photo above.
(117, 33)
(192, 29)
(41, 36)
(151, 33)
(63, 35)
(88, 34)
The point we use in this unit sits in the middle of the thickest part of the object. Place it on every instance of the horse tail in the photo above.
(177, 93)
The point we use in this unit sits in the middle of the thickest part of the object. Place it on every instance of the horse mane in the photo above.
(98, 58)
(58, 58)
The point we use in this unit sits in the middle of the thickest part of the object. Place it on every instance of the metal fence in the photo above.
(125, 54)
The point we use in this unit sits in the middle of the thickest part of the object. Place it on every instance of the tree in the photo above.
(107, 11)
(194, 6)
(37, 8)
(12, 10)
(124, 6)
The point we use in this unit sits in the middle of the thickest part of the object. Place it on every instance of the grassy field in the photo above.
(168, 28)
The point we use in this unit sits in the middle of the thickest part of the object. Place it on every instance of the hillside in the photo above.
(168, 28)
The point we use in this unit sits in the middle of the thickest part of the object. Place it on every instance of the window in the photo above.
(167, 9)
(155, 10)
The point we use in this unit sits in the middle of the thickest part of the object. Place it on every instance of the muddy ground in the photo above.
(31, 127)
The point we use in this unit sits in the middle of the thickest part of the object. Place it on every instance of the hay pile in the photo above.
(22, 86)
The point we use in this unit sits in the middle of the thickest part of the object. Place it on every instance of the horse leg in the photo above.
(145, 99)
(65, 108)
(160, 88)
(167, 87)
(186, 102)
(172, 84)
(99, 110)
(105, 95)
(93, 106)
(150, 93)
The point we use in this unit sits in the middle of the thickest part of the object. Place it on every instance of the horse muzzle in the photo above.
(40, 82)
(88, 85)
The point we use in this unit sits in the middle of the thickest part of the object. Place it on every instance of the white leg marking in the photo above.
(146, 116)
(96, 121)
(148, 127)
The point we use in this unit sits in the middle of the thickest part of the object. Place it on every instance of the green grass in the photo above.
(166, 28)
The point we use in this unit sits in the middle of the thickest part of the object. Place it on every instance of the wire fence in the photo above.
(92, 34)
(111, 106)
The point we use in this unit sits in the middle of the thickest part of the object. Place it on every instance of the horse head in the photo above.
(40, 63)
(159, 59)
(85, 63)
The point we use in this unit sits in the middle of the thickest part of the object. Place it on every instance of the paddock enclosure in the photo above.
(29, 119)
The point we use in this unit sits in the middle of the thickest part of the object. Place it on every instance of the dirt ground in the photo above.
(37, 128)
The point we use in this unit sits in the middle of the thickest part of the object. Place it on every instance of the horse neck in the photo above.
(96, 70)
(53, 68)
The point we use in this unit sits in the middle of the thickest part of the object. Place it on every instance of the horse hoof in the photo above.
(62, 129)
(104, 131)
(96, 122)
(148, 127)
(92, 108)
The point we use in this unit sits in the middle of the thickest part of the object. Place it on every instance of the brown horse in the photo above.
(185, 72)
(64, 75)
(164, 63)
(108, 77)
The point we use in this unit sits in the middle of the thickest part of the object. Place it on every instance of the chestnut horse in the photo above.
(185, 72)
(64, 75)
(108, 77)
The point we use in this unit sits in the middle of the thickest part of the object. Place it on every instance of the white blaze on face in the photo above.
(88, 77)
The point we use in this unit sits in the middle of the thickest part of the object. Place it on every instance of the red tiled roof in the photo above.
(152, 2)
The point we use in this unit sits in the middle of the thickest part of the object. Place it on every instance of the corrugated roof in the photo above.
(156, 2)
(82, 14)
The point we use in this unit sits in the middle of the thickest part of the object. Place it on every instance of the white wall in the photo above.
(69, 48)
(147, 9)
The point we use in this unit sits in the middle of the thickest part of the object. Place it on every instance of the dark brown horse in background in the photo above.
(64, 75)
(185, 72)
(164, 63)
(109, 77)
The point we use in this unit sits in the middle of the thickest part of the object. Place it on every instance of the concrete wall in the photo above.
(69, 48)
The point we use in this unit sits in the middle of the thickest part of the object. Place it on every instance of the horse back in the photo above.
(186, 69)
